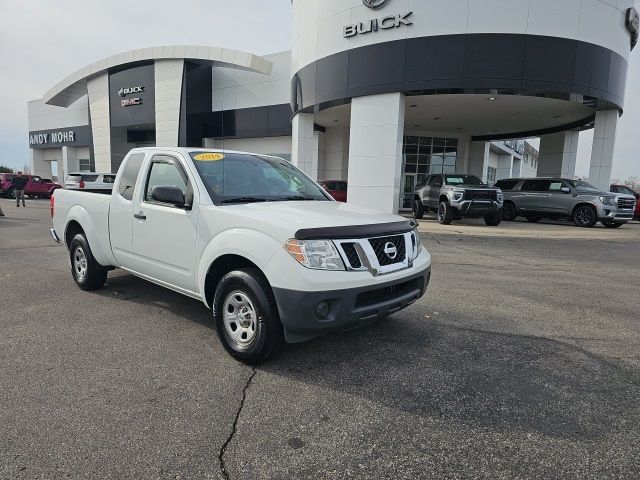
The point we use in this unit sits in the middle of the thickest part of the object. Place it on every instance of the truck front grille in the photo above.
(385, 294)
(626, 203)
(389, 250)
(480, 195)
(352, 255)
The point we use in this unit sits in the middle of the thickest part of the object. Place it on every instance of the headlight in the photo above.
(608, 200)
(500, 196)
(315, 254)
(457, 193)
(417, 247)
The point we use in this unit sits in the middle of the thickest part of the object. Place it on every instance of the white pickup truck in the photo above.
(254, 238)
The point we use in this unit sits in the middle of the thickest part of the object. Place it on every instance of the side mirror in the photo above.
(168, 194)
(565, 190)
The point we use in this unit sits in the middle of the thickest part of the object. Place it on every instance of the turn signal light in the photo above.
(295, 249)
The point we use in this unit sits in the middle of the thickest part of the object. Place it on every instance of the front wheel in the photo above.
(509, 212)
(87, 272)
(418, 209)
(445, 213)
(612, 224)
(585, 216)
(246, 316)
(493, 220)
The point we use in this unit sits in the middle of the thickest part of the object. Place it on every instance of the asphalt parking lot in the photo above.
(523, 361)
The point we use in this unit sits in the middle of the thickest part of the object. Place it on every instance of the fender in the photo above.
(241, 242)
(97, 234)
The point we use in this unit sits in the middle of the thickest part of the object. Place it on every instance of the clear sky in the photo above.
(41, 42)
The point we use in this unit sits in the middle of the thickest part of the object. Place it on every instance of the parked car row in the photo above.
(458, 196)
(36, 186)
(554, 198)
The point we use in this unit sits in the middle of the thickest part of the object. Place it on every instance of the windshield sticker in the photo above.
(208, 157)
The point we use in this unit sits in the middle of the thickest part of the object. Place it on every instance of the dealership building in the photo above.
(377, 92)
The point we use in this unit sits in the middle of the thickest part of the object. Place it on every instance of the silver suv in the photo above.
(577, 200)
(454, 196)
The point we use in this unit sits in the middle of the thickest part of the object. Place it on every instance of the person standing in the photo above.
(18, 182)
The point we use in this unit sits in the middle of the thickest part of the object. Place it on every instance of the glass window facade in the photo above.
(423, 156)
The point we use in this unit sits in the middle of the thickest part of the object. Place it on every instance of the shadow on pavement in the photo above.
(481, 379)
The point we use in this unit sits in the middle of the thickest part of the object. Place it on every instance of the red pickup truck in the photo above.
(36, 186)
(628, 191)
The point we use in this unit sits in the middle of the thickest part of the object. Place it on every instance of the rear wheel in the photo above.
(87, 272)
(445, 213)
(612, 224)
(509, 212)
(585, 216)
(418, 209)
(246, 316)
(493, 220)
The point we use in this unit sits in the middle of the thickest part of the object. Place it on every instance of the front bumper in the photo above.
(476, 207)
(348, 308)
(612, 213)
(54, 235)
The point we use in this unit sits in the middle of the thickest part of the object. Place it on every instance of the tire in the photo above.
(445, 213)
(493, 220)
(533, 219)
(418, 209)
(611, 224)
(86, 271)
(246, 292)
(509, 212)
(585, 216)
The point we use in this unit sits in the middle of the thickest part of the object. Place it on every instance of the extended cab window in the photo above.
(435, 181)
(164, 172)
(130, 173)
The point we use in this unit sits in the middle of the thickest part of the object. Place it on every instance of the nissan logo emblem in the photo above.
(390, 250)
(375, 4)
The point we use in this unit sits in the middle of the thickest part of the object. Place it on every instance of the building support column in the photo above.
(478, 159)
(375, 151)
(98, 91)
(69, 162)
(318, 158)
(558, 154)
(38, 165)
(604, 144)
(303, 143)
(168, 94)
(336, 154)
(505, 166)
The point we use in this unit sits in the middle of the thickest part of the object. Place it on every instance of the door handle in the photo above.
(140, 215)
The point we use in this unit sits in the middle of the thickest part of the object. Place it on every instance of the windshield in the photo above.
(240, 177)
(582, 185)
(463, 180)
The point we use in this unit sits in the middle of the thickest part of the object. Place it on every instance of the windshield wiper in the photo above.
(298, 197)
(244, 200)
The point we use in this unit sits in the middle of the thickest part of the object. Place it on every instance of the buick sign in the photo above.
(375, 25)
(123, 92)
(375, 4)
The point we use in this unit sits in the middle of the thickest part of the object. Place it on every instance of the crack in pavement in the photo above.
(223, 449)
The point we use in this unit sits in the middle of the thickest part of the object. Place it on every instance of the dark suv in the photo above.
(577, 200)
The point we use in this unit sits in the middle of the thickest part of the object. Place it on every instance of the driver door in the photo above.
(435, 185)
(164, 236)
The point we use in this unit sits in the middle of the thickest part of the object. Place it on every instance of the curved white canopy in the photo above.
(73, 87)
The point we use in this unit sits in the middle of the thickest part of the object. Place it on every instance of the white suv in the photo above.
(90, 181)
